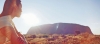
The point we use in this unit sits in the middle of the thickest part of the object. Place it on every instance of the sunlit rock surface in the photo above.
(59, 28)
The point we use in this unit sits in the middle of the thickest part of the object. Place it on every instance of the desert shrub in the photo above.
(83, 38)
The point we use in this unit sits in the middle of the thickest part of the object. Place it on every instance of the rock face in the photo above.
(59, 28)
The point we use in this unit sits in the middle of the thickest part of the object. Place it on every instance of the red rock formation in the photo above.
(59, 28)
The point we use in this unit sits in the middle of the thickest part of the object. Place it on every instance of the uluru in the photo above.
(59, 28)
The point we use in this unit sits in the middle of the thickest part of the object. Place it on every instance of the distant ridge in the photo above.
(59, 28)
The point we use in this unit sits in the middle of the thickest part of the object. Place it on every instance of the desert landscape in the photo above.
(50, 21)
(83, 38)
(61, 33)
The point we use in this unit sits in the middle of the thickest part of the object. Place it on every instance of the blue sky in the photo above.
(84, 12)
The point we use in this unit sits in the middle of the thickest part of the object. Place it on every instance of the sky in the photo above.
(83, 12)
